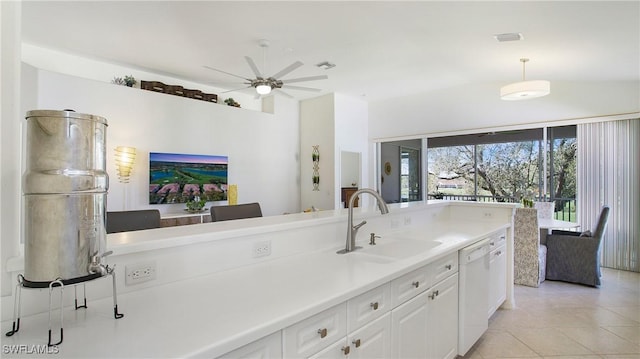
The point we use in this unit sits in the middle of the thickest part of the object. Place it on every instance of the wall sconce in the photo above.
(125, 156)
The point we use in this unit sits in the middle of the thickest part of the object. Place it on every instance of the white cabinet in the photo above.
(369, 342)
(409, 328)
(368, 306)
(442, 318)
(497, 272)
(315, 333)
(265, 348)
(373, 340)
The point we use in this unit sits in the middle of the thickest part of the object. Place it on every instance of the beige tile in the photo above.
(501, 344)
(622, 356)
(601, 341)
(549, 341)
(631, 312)
(594, 356)
(631, 334)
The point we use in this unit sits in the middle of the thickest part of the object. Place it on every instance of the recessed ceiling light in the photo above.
(326, 65)
(509, 36)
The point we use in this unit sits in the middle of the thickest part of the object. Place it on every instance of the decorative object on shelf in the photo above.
(125, 156)
(315, 156)
(157, 86)
(524, 90)
(196, 204)
(387, 168)
(231, 102)
(232, 194)
(130, 81)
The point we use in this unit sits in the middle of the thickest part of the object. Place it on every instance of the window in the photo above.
(505, 167)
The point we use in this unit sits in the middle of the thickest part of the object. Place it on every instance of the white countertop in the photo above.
(209, 315)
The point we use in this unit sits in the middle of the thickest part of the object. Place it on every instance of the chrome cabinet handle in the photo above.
(434, 294)
(356, 343)
(448, 266)
(346, 350)
(416, 284)
(374, 306)
(322, 332)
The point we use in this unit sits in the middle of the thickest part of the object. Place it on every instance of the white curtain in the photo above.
(608, 173)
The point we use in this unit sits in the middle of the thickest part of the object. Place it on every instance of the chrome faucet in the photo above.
(352, 230)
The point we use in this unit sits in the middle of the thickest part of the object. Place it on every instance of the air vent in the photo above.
(326, 65)
(510, 36)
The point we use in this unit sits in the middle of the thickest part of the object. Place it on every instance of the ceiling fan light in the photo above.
(263, 89)
(525, 90)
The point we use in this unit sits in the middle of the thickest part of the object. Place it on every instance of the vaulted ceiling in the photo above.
(380, 49)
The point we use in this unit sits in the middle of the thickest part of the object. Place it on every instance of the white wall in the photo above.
(478, 106)
(317, 128)
(263, 169)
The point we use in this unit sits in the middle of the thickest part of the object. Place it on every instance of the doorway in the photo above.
(401, 171)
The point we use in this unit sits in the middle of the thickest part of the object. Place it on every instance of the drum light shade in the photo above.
(524, 90)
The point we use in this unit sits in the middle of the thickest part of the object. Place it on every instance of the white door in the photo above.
(373, 340)
(442, 319)
(409, 328)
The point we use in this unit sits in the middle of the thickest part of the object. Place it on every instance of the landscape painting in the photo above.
(178, 178)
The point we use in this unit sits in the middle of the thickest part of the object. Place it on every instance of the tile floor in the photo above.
(565, 321)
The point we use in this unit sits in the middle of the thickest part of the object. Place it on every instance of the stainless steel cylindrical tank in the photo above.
(65, 186)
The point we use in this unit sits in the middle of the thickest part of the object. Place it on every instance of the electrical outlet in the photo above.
(487, 214)
(140, 273)
(407, 220)
(261, 249)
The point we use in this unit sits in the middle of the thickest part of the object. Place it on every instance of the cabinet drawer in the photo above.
(409, 285)
(315, 333)
(368, 306)
(442, 268)
(497, 240)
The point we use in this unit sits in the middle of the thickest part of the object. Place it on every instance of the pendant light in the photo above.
(524, 90)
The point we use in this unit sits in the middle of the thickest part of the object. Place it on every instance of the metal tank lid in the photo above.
(66, 113)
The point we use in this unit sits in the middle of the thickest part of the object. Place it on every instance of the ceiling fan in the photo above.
(265, 84)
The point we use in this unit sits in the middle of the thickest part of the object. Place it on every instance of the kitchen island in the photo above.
(212, 295)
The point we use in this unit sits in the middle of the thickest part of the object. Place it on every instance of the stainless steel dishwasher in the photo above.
(473, 297)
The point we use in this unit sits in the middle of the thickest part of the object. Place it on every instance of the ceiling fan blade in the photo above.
(242, 88)
(310, 78)
(253, 66)
(287, 69)
(301, 88)
(282, 93)
(224, 72)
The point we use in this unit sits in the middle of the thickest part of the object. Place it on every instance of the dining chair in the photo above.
(575, 256)
(125, 221)
(237, 211)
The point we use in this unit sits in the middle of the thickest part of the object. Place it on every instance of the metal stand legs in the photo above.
(58, 283)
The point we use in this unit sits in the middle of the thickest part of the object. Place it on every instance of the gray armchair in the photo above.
(238, 211)
(575, 257)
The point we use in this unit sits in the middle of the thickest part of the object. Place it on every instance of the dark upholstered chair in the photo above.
(575, 257)
(125, 221)
(237, 211)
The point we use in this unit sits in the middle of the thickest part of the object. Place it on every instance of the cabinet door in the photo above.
(409, 328)
(497, 279)
(442, 318)
(373, 340)
(265, 348)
